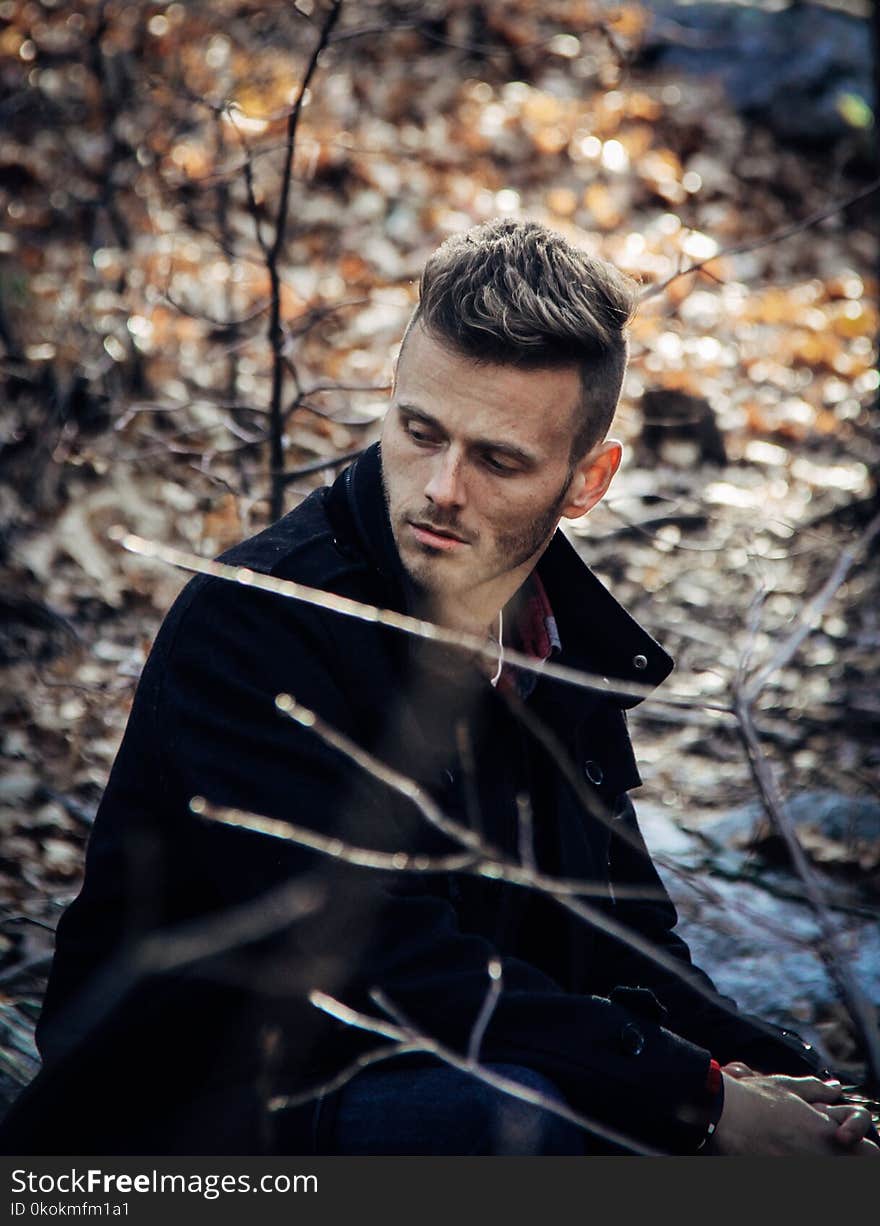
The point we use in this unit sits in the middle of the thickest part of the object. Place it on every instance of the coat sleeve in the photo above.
(695, 1008)
(217, 934)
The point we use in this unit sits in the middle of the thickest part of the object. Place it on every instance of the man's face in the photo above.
(477, 472)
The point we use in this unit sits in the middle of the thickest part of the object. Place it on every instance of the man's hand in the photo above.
(778, 1116)
(852, 1124)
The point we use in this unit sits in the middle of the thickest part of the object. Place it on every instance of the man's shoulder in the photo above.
(302, 547)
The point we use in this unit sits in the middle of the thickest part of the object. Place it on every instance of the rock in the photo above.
(759, 946)
(804, 70)
(678, 428)
(847, 818)
(19, 1058)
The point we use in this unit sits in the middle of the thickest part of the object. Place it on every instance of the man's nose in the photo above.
(446, 486)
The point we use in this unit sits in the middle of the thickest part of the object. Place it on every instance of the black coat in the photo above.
(178, 999)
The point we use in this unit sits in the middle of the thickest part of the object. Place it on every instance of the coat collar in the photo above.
(597, 633)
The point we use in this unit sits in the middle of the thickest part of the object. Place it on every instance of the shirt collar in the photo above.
(535, 633)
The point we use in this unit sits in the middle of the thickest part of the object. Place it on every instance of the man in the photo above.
(182, 1005)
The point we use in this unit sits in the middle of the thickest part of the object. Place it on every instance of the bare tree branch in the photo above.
(413, 1039)
(348, 853)
(813, 611)
(484, 1017)
(283, 1102)
(416, 627)
(514, 873)
(766, 240)
(276, 339)
(525, 831)
(293, 123)
(214, 321)
(346, 387)
(483, 860)
(317, 466)
(862, 1012)
(407, 1032)
(247, 168)
(317, 315)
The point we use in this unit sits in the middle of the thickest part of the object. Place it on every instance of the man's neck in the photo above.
(476, 623)
(476, 612)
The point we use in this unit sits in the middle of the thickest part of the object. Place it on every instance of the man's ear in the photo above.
(592, 477)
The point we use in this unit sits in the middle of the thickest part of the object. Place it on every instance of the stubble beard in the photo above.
(512, 549)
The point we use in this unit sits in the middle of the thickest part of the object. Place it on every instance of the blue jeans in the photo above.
(439, 1110)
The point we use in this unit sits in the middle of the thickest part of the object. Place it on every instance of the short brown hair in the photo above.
(516, 292)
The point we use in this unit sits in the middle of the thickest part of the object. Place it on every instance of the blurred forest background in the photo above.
(191, 337)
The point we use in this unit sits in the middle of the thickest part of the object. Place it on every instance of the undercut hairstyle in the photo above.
(517, 293)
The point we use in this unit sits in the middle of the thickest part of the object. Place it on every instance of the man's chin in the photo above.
(431, 572)
(425, 567)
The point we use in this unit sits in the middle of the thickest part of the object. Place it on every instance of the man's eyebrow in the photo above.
(486, 444)
(413, 410)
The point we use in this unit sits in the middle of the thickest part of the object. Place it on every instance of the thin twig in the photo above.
(483, 861)
(464, 745)
(416, 627)
(486, 860)
(813, 611)
(215, 321)
(283, 1102)
(333, 415)
(27, 919)
(766, 240)
(247, 168)
(405, 1033)
(525, 831)
(336, 849)
(273, 252)
(293, 122)
(172, 948)
(346, 387)
(28, 967)
(484, 1017)
(316, 466)
(316, 315)
(862, 1012)
(413, 1034)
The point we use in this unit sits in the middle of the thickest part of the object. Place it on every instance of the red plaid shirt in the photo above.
(535, 634)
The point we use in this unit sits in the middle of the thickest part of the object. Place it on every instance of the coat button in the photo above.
(594, 772)
(632, 1040)
(640, 662)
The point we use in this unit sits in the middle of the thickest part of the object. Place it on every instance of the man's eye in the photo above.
(500, 466)
(419, 433)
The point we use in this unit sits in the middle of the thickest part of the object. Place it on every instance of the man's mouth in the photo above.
(436, 538)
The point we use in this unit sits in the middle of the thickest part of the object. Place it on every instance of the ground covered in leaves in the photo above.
(140, 171)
